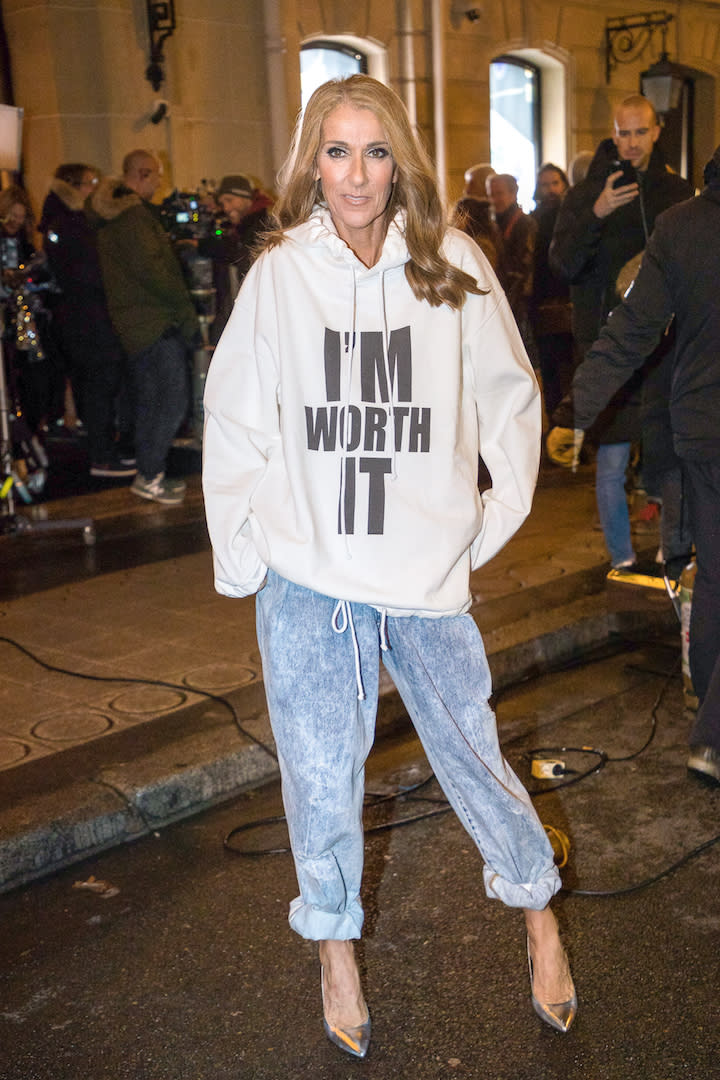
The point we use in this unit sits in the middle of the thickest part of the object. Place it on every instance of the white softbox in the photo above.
(11, 121)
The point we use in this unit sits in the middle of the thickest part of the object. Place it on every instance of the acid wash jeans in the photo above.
(319, 655)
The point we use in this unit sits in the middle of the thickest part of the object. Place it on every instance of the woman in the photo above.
(369, 358)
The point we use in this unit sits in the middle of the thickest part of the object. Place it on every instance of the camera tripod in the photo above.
(11, 483)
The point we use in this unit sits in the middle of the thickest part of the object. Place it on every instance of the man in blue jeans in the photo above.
(153, 313)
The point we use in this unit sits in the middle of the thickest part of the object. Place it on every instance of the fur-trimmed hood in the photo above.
(71, 196)
(63, 203)
(111, 199)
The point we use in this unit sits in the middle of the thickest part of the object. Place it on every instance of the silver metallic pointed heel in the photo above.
(559, 1016)
(353, 1040)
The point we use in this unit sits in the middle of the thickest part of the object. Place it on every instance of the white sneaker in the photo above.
(159, 489)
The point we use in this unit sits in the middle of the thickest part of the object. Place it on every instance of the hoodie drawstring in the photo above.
(386, 358)
(384, 643)
(341, 619)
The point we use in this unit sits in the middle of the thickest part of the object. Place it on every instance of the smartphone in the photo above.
(629, 173)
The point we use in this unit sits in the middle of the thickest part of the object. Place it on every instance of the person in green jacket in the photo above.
(152, 312)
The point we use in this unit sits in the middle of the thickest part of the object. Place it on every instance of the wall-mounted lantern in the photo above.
(662, 84)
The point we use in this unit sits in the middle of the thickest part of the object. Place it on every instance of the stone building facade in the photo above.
(231, 78)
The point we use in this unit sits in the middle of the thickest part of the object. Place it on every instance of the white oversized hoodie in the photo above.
(343, 423)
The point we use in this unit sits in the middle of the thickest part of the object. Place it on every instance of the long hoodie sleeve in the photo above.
(630, 335)
(509, 418)
(241, 431)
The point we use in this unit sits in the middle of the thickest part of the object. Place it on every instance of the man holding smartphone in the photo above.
(603, 223)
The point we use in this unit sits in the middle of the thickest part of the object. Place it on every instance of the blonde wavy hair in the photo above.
(430, 276)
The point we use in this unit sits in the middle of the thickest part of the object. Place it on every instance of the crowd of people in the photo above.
(99, 321)
(564, 267)
(100, 341)
(112, 328)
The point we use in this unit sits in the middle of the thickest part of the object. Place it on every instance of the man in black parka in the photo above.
(679, 277)
(605, 222)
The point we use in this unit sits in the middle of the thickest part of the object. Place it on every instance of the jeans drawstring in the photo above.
(384, 643)
(341, 619)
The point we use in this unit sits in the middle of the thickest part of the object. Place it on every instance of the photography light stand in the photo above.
(11, 125)
(11, 522)
(205, 305)
(199, 273)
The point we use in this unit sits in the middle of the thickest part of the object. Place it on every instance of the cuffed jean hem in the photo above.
(535, 895)
(317, 925)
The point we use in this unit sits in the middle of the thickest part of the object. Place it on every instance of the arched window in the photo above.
(515, 135)
(323, 60)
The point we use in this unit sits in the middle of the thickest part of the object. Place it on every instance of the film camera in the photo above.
(186, 217)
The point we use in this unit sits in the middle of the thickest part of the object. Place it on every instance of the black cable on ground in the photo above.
(372, 799)
(144, 682)
(603, 757)
(648, 881)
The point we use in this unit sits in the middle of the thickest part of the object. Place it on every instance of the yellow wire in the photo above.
(560, 844)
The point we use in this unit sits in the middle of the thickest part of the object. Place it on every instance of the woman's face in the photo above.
(14, 219)
(357, 172)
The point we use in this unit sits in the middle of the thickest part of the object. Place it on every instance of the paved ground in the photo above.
(180, 965)
(125, 677)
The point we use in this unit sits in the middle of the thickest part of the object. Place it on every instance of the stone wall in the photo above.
(232, 85)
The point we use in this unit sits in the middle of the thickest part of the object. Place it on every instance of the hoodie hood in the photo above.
(319, 232)
(111, 199)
